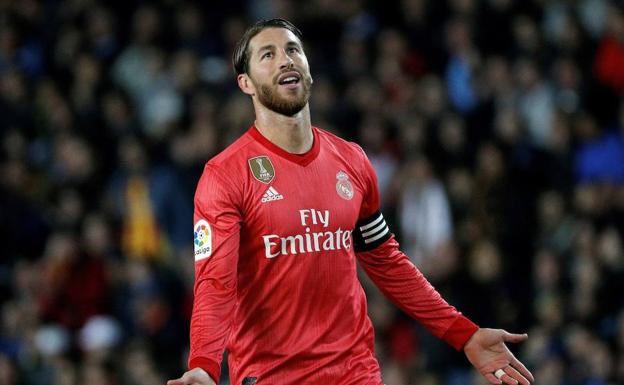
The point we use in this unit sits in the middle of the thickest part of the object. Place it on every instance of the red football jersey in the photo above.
(276, 241)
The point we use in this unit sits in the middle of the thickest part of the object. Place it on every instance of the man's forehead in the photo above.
(273, 36)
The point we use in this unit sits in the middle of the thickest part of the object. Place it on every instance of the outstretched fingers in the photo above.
(513, 373)
(514, 338)
(519, 366)
(492, 379)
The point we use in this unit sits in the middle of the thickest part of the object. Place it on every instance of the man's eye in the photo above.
(266, 55)
(293, 49)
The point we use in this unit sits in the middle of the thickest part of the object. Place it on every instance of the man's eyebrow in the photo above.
(272, 46)
(265, 47)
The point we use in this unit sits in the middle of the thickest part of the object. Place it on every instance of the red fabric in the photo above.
(403, 342)
(460, 332)
(609, 65)
(302, 159)
(400, 281)
(280, 288)
(211, 367)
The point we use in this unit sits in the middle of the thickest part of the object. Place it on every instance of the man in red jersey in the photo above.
(281, 216)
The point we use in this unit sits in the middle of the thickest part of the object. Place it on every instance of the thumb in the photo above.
(177, 381)
(515, 338)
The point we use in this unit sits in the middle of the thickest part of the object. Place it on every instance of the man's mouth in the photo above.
(289, 78)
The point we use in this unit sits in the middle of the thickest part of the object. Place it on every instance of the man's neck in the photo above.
(291, 133)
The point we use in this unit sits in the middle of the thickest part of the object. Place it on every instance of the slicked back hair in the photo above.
(240, 58)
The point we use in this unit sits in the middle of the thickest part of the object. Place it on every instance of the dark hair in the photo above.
(240, 58)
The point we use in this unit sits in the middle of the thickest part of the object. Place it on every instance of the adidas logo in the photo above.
(271, 195)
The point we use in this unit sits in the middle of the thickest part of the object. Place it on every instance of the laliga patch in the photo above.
(262, 168)
(202, 239)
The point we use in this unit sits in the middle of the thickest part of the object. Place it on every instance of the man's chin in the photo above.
(286, 103)
(287, 110)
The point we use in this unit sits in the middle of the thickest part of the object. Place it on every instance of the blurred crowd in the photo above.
(496, 128)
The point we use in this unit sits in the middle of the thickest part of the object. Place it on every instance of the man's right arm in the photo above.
(217, 221)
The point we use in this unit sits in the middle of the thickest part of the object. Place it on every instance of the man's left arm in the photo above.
(401, 282)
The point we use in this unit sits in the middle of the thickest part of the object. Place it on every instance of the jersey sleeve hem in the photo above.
(460, 332)
(211, 367)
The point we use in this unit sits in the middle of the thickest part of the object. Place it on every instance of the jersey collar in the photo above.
(301, 159)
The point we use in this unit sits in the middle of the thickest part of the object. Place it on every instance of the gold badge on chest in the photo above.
(262, 169)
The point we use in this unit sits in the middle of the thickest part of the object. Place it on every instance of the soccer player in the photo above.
(281, 216)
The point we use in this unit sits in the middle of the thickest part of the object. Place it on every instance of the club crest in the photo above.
(344, 188)
(262, 168)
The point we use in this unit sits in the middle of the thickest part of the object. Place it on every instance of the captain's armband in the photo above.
(370, 232)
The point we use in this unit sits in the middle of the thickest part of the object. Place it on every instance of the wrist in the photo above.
(212, 368)
(460, 332)
(471, 341)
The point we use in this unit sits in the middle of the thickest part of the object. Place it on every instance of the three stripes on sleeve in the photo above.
(370, 232)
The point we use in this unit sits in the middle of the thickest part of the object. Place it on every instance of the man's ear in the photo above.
(245, 84)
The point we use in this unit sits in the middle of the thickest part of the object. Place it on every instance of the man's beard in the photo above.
(271, 99)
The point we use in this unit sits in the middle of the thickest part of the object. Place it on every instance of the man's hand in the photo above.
(487, 352)
(195, 376)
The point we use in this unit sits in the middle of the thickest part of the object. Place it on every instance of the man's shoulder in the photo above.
(223, 172)
(235, 151)
(338, 143)
(226, 167)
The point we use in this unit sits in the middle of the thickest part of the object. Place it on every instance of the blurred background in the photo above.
(496, 128)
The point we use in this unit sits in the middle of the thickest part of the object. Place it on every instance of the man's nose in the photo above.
(285, 61)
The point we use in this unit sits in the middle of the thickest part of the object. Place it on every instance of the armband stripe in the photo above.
(370, 232)
(373, 223)
(375, 230)
(376, 237)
